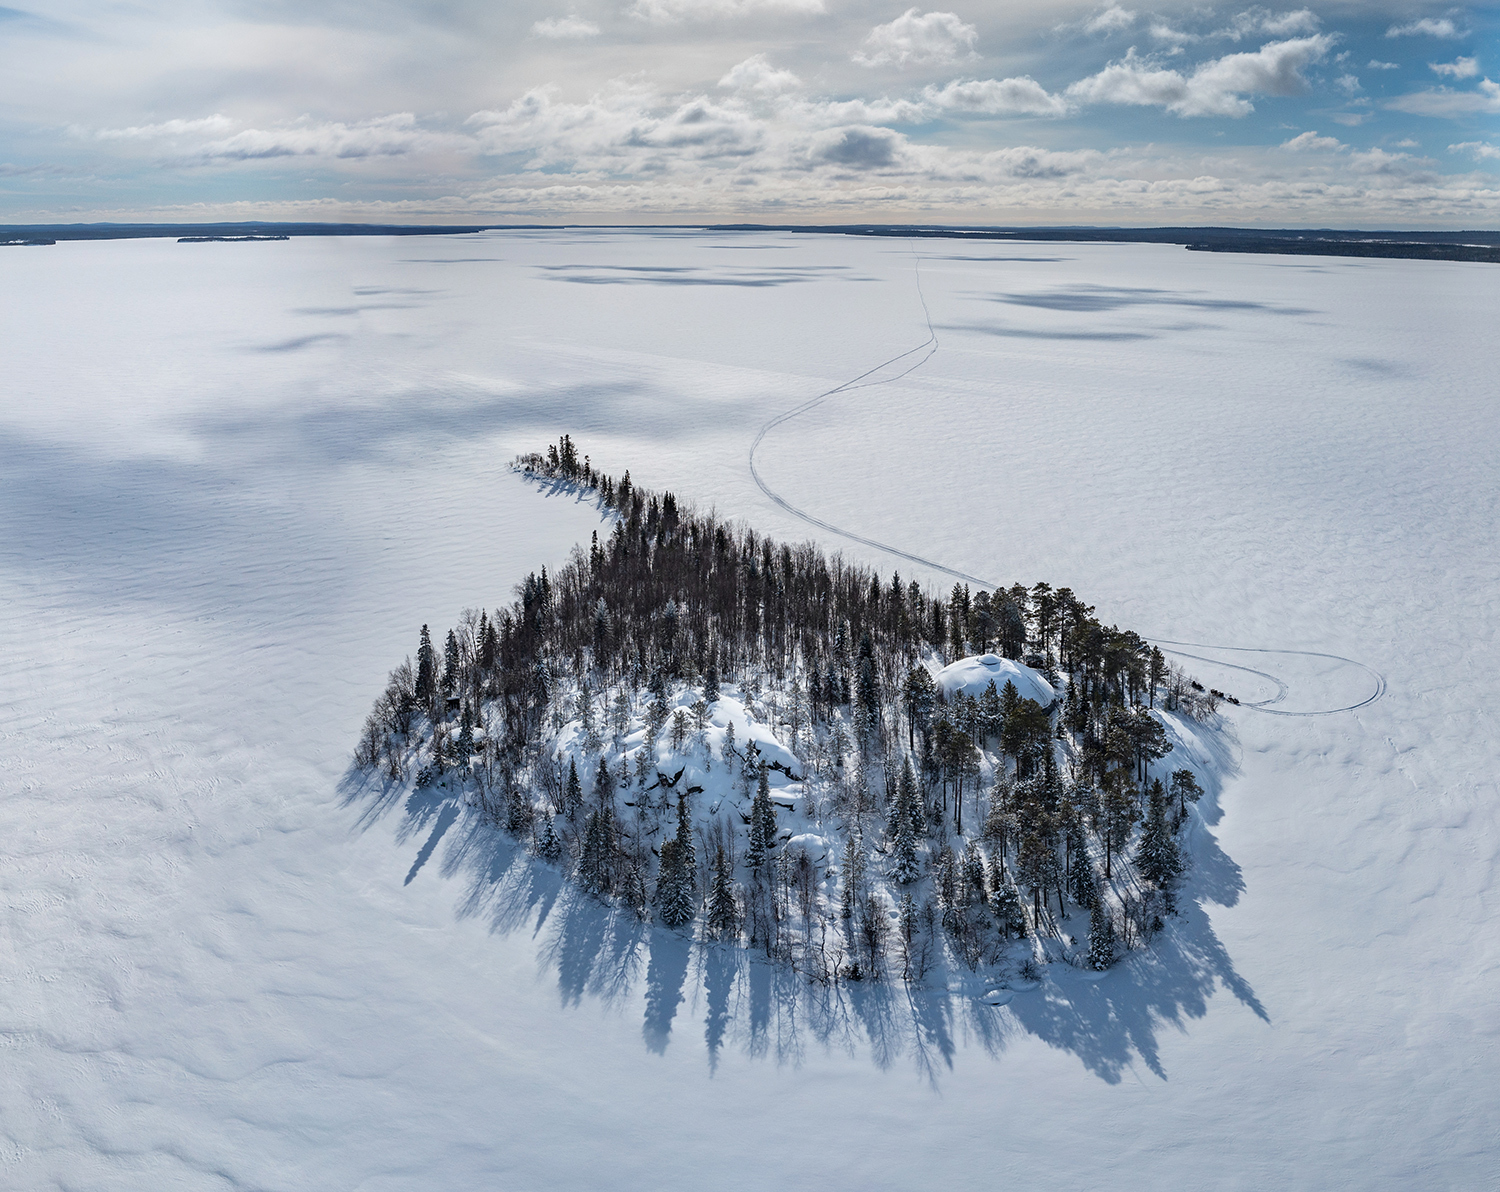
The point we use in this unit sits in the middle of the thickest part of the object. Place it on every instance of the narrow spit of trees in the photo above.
(963, 823)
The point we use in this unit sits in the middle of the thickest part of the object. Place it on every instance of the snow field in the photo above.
(239, 477)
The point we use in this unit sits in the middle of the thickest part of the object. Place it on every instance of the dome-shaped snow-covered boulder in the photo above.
(973, 675)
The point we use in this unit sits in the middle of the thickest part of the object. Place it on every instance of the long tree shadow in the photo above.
(1112, 1022)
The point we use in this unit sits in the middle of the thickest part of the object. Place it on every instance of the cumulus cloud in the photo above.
(758, 75)
(1444, 101)
(916, 38)
(1216, 88)
(1348, 83)
(568, 28)
(1111, 20)
(858, 148)
(1022, 96)
(1478, 150)
(1376, 64)
(1459, 68)
(1426, 27)
(167, 128)
(671, 12)
(1311, 142)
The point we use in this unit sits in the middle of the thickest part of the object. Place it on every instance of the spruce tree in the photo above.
(464, 749)
(763, 811)
(678, 881)
(1005, 902)
(723, 911)
(548, 846)
(591, 869)
(426, 669)
(711, 684)
(604, 784)
(518, 811)
(904, 867)
(450, 664)
(1101, 936)
(854, 871)
(1157, 856)
(573, 791)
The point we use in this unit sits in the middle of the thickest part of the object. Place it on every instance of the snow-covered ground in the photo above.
(238, 477)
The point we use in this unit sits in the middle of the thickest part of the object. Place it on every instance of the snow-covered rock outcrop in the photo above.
(973, 675)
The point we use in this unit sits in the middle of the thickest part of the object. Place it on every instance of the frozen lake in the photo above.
(238, 477)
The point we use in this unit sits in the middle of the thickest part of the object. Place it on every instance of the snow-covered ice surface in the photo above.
(238, 477)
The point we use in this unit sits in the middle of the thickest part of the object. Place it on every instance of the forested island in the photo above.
(764, 745)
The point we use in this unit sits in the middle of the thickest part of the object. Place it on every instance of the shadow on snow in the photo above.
(763, 1010)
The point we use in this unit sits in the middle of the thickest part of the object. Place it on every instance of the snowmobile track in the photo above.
(928, 348)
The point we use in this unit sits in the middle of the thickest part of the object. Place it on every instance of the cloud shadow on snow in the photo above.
(691, 993)
(1090, 299)
(681, 275)
(1033, 333)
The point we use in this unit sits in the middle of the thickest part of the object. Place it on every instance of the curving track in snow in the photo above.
(927, 349)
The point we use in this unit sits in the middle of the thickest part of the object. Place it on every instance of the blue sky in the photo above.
(1356, 115)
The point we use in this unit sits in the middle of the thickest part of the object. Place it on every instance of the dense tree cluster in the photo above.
(961, 824)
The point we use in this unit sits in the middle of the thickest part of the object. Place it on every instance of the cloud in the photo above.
(933, 37)
(1261, 21)
(1164, 32)
(1216, 88)
(167, 128)
(387, 136)
(758, 75)
(1311, 142)
(1348, 83)
(671, 12)
(1459, 68)
(1426, 27)
(1376, 64)
(1444, 101)
(1022, 96)
(566, 28)
(859, 148)
(1478, 150)
(1111, 20)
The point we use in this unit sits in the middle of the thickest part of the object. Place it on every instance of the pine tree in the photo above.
(711, 684)
(723, 911)
(604, 784)
(1185, 789)
(919, 693)
(1101, 936)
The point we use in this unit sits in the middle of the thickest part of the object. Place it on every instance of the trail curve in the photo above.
(928, 348)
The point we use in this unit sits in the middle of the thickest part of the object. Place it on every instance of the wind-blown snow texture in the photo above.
(239, 477)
